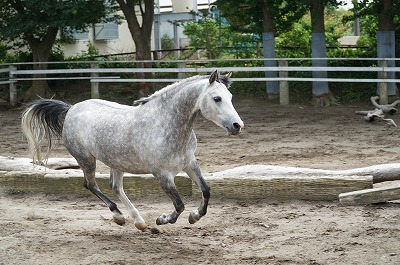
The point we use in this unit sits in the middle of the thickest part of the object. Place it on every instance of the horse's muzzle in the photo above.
(234, 129)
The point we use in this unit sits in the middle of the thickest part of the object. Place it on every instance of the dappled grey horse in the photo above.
(153, 136)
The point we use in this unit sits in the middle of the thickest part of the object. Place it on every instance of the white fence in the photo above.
(95, 68)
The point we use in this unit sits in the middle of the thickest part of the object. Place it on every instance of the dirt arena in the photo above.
(51, 229)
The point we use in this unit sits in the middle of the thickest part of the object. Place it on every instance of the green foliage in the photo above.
(336, 26)
(298, 38)
(167, 43)
(299, 35)
(348, 92)
(219, 40)
(122, 93)
(56, 54)
(247, 15)
(92, 50)
(207, 33)
(19, 19)
(5, 55)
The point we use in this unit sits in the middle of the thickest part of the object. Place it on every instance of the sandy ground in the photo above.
(40, 229)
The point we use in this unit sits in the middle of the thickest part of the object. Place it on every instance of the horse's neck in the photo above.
(180, 106)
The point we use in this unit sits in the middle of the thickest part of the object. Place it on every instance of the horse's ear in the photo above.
(214, 77)
(228, 75)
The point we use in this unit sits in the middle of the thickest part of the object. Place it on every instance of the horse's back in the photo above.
(95, 111)
(95, 116)
(99, 104)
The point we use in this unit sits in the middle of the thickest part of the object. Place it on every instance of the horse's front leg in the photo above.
(193, 171)
(168, 185)
(116, 178)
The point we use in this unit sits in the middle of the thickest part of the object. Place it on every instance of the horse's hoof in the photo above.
(162, 219)
(119, 219)
(141, 226)
(194, 217)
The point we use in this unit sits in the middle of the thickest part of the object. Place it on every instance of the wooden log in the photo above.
(388, 108)
(380, 173)
(376, 115)
(285, 187)
(368, 196)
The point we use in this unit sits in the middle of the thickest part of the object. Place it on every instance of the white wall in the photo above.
(123, 44)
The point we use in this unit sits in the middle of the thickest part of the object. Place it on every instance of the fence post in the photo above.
(94, 85)
(13, 86)
(182, 75)
(382, 86)
(283, 84)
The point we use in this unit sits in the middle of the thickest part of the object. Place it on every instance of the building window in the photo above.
(106, 31)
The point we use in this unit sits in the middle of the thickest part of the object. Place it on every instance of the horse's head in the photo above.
(215, 103)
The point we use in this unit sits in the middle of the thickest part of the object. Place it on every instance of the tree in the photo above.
(208, 33)
(320, 89)
(268, 18)
(36, 24)
(212, 33)
(141, 34)
(385, 12)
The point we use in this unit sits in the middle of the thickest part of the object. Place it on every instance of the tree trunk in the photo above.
(320, 89)
(269, 49)
(40, 51)
(143, 52)
(385, 37)
(141, 35)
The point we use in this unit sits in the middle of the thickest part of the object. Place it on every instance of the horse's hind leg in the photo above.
(116, 184)
(168, 185)
(88, 167)
(194, 173)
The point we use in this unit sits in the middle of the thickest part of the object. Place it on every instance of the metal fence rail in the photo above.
(95, 68)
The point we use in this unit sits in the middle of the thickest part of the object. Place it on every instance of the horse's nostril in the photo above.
(236, 126)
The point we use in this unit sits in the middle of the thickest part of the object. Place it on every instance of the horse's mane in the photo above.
(222, 79)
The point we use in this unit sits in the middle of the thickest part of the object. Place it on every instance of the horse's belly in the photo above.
(131, 165)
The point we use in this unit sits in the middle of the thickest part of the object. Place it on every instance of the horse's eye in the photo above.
(217, 99)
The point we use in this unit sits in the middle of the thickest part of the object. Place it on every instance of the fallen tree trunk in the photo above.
(389, 108)
(379, 113)
(380, 173)
(376, 115)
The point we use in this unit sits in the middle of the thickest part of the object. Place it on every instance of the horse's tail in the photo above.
(42, 122)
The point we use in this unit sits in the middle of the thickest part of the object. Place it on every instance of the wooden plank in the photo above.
(281, 188)
(368, 196)
(4, 70)
(63, 184)
(285, 187)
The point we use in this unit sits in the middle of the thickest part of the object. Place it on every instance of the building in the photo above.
(112, 38)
